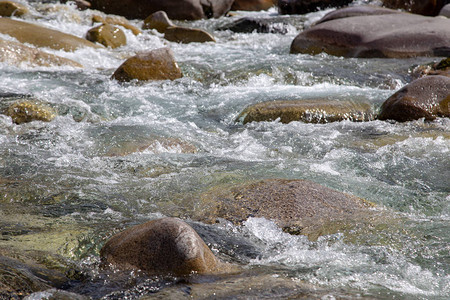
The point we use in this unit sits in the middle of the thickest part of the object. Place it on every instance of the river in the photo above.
(69, 184)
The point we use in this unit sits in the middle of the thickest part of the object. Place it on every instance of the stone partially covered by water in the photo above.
(297, 206)
(161, 246)
(24, 111)
(427, 97)
(307, 110)
(107, 35)
(157, 64)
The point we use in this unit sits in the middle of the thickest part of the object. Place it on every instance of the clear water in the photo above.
(58, 183)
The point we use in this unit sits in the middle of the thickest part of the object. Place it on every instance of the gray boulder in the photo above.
(445, 11)
(396, 35)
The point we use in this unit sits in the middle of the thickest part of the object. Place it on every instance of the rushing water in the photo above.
(69, 184)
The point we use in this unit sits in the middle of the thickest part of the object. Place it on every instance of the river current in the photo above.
(68, 185)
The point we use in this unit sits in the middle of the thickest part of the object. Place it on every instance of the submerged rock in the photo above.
(301, 7)
(107, 35)
(56, 294)
(18, 54)
(422, 7)
(187, 35)
(116, 20)
(162, 246)
(10, 8)
(396, 35)
(427, 97)
(308, 110)
(30, 110)
(157, 64)
(159, 21)
(297, 206)
(41, 36)
(253, 5)
(175, 9)
(249, 25)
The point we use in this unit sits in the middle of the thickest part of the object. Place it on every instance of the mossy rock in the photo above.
(28, 110)
(308, 110)
(297, 206)
(107, 35)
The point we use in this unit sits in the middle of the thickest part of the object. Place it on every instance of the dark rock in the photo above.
(249, 25)
(356, 11)
(307, 110)
(291, 7)
(187, 35)
(107, 35)
(159, 21)
(157, 64)
(175, 9)
(116, 20)
(422, 7)
(10, 8)
(162, 246)
(42, 37)
(445, 11)
(297, 206)
(253, 5)
(17, 54)
(427, 97)
(387, 35)
(81, 4)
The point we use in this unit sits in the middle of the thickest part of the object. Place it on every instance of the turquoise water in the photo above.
(73, 182)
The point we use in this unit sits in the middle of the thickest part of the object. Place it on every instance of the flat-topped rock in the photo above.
(427, 97)
(307, 110)
(187, 35)
(162, 246)
(396, 35)
(297, 206)
(42, 37)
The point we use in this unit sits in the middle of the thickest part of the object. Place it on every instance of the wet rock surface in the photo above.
(10, 8)
(387, 35)
(157, 64)
(260, 25)
(42, 37)
(307, 110)
(107, 35)
(423, 7)
(159, 21)
(177, 10)
(427, 97)
(161, 246)
(116, 20)
(297, 206)
(187, 35)
(253, 5)
(306, 6)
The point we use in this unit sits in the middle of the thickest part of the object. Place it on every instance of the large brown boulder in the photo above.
(253, 5)
(307, 110)
(175, 9)
(18, 54)
(427, 97)
(397, 35)
(187, 35)
(10, 8)
(162, 246)
(107, 35)
(300, 7)
(356, 11)
(42, 37)
(157, 64)
(421, 7)
(297, 206)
